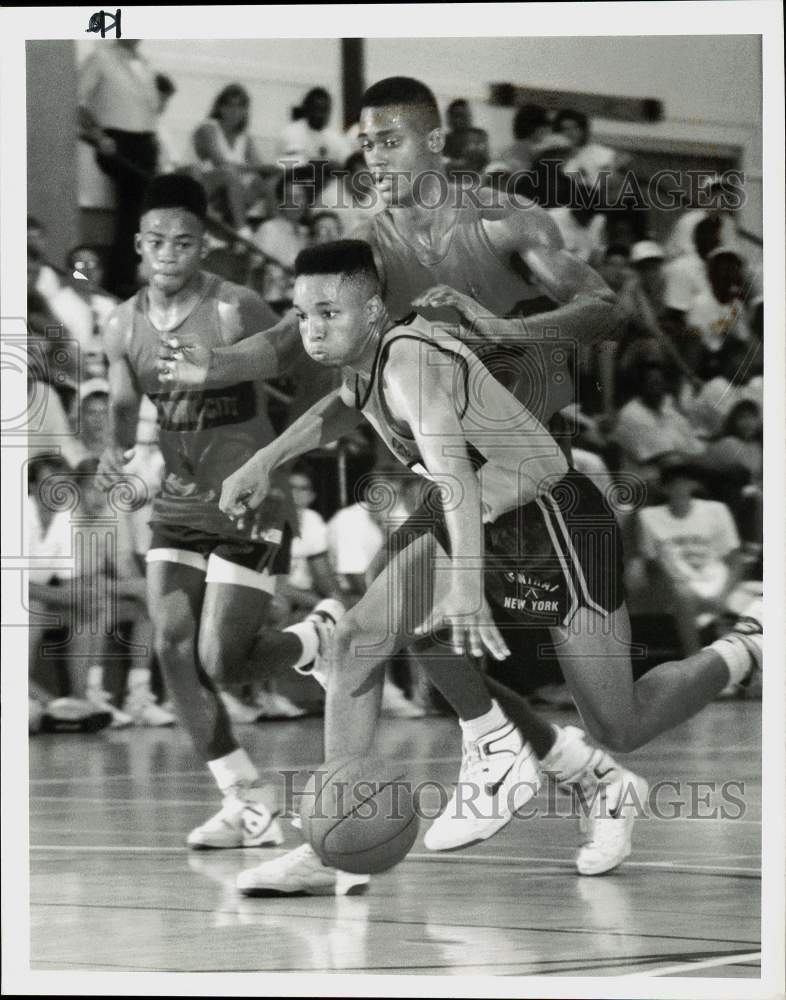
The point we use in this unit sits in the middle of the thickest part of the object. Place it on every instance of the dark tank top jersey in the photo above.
(204, 435)
(539, 375)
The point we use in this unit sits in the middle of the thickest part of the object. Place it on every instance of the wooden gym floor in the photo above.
(113, 887)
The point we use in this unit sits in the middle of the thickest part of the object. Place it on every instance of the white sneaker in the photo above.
(610, 826)
(142, 706)
(273, 705)
(239, 713)
(300, 872)
(499, 774)
(243, 821)
(396, 705)
(101, 701)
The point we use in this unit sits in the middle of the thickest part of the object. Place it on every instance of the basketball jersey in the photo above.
(538, 374)
(204, 434)
(514, 456)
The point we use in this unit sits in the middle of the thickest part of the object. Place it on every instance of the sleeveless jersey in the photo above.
(514, 456)
(204, 434)
(538, 374)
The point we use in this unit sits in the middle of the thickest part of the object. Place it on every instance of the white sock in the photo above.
(734, 654)
(138, 677)
(309, 640)
(95, 676)
(474, 729)
(572, 758)
(233, 769)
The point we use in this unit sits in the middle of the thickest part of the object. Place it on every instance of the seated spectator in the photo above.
(86, 578)
(650, 429)
(530, 128)
(231, 169)
(326, 227)
(582, 230)
(92, 417)
(458, 117)
(739, 447)
(716, 398)
(87, 261)
(308, 139)
(686, 275)
(352, 194)
(275, 286)
(588, 160)
(282, 237)
(53, 348)
(693, 552)
(47, 282)
(718, 198)
(615, 266)
(719, 312)
(471, 148)
(310, 575)
(547, 183)
(49, 430)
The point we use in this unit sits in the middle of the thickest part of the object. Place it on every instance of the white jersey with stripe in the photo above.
(514, 456)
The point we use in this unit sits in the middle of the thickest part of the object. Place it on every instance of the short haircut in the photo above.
(96, 248)
(175, 191)
(164, 85)
(405, 92)
(349, 258)
(568, 114)
(529, 118)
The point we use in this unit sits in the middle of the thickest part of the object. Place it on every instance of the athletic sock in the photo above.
(95, 677)
(309, 640)
(138, 677)
(475, 729)
(233, 769)
(571, 758)
(735, 655)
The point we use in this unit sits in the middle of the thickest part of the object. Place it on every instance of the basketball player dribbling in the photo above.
(209, 584)
(513, 508)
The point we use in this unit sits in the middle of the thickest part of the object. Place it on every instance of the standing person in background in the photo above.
(459, 119)
(589, 159)
(118, 108)
(530, 128)
(308, 139)
(168, 159)
(230, 165)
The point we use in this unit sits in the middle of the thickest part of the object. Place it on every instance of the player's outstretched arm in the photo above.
(427, 405)
(263, 355)
(326, 421)
(124, 400)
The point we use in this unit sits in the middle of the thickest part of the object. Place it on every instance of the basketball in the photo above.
(358, 815)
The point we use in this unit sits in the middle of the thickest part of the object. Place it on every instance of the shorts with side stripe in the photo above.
(545, 559)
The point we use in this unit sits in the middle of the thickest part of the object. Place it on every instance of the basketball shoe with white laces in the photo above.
(300, 872)
(609, 826)
(499, 774)
(243, 821)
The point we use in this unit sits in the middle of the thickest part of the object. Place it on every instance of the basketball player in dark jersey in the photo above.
(209, 584)
(523, 532)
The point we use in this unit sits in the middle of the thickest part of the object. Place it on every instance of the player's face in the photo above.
(397, 148)
(170, 243)
(334, 318)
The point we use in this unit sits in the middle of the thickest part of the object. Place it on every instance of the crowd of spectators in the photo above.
(673, 401)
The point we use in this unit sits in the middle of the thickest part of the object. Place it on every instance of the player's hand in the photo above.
(245, 489)
(110, 466)
(182, 364)
(439, 296)
(470, 621)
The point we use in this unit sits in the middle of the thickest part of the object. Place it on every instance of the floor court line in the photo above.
(710, 963)
(429, 858)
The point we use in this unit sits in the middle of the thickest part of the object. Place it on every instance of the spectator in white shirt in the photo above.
(716, 398)
(686, 276)
(589, 159)
(650, 429)
(118, 107)
(286, 234)
(693, 550)
(231, 168)
(583, 231)
(310, 575)
(308, 139)
(169, 160)
(351, 193)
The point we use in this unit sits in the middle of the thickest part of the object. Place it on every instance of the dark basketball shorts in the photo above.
(544, 560)
(223, 558)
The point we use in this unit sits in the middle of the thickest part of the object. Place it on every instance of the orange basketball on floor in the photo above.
(358, 814)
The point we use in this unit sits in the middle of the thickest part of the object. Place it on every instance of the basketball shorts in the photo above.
(224, 559)
(544, 560)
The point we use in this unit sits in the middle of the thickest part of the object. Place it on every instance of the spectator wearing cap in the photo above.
(692, 549)
(649, 429)
(719, 313)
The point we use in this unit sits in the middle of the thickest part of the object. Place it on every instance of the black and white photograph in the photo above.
(393, 500)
